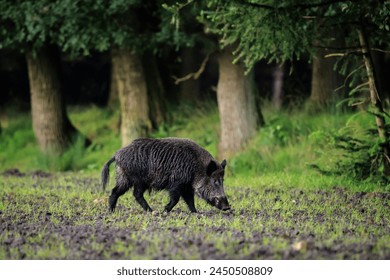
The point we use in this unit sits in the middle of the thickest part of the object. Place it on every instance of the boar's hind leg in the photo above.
(116, 193)
(138, 193)
(174, 199)
(188, 196)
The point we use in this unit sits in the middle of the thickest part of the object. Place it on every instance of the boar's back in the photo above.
(163, 163)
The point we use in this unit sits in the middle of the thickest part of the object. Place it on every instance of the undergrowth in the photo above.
(293, 149)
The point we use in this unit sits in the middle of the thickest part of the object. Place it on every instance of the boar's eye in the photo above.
(217, 182)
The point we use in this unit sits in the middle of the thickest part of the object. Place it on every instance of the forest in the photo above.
(293, 94)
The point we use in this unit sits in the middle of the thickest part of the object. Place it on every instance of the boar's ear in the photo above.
(211, 167)
(223, 163)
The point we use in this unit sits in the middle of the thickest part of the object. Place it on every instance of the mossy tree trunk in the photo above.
(132, 91)
(375, 99)
(324, 77)
(239, 115)
(324, 80)
(51, 125)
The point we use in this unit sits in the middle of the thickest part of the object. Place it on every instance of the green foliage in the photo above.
(179, 30)
(354, 151)
(81, 27)
(19, 148)
(181, 27)
(270, 34)
(100, 126)
(26, 24)
(101, 25)
(67, 161)
(284, 143)
(17, 141)
(282, 30)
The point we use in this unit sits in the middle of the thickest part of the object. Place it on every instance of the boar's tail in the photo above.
(106, 172)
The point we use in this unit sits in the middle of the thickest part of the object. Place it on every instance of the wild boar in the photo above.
(180, 166)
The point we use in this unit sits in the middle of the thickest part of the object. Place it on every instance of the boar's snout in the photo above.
(221, 203)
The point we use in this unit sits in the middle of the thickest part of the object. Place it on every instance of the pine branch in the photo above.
(319, 4)
(258, 5)
(336, 48)
(343, 54)
(356, 49)
(348, 76)
(295, 6)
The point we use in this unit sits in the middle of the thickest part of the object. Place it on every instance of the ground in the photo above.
(65, 216)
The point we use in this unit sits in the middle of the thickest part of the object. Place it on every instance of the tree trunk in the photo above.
(156, 90)
(189, 89)
(239, 115)
(375, 99)
(132, 92)
(324, 80)
(277, 88)
(51, 125)
(113, 98)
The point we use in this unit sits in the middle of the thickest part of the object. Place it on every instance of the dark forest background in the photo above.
(262, 72)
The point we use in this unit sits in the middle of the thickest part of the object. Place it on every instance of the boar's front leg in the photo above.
(138, 193)
(188, 196)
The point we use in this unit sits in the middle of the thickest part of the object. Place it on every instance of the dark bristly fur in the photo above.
(180, 166)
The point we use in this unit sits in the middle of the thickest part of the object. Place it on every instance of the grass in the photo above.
(19, 148)
(64, 216)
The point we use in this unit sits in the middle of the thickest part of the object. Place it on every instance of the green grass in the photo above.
(310, 179)
(65, 217)
(19, 148)
(280, 154)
